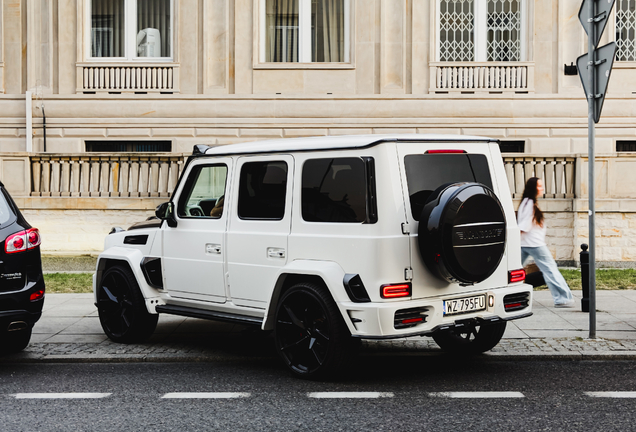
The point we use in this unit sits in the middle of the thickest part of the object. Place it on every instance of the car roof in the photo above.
(335, 143)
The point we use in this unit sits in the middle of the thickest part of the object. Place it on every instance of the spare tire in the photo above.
(462, 233)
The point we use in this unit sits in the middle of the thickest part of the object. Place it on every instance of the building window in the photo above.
(305, 31)
(626, 146)
(626, 30)
(128, 146)
(512, 146)
(130, 29)
(482, 30)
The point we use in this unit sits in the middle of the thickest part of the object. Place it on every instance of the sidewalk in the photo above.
(69, 331)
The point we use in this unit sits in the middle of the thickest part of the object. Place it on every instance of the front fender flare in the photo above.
(133, 258)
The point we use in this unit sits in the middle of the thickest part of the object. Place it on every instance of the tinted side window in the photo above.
(427, 172)
(334, 190)
(262, 190)
(204, 192)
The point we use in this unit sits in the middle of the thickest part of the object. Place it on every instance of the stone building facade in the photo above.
(127, 87)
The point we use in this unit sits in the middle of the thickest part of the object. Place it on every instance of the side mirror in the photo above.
(165, 211)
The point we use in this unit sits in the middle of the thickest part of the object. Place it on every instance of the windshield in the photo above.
(427, 172)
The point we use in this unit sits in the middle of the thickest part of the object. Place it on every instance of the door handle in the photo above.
(211, 248)
(275, 252)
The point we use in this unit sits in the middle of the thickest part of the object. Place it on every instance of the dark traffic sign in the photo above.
(604, 60)
(597, 22)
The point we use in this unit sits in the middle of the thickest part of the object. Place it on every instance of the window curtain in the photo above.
(327, 33)
(107, 28)
(153, 22)
(282, 30)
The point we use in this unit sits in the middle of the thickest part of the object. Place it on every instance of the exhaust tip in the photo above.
(17, 325)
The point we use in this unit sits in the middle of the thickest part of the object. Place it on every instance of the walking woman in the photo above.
(532, 225)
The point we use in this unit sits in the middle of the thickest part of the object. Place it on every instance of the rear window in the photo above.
(427, 172)
(334, 190)
(6, 214)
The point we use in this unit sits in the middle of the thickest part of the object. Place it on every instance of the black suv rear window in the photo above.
(427, 172)
(6, 214)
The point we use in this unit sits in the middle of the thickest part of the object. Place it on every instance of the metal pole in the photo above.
(585, 278)
(590, 138)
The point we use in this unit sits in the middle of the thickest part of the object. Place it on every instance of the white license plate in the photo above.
(464, 305)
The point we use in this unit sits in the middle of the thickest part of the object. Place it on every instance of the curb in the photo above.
(202, 358)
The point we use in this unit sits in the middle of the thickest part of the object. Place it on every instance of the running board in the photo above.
(210, 315)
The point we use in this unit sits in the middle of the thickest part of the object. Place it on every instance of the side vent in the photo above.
(136, 239)
(515, 302)
(355, 288)
(151, 268)
(406, 318)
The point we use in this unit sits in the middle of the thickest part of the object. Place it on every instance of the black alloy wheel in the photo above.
(309, 333)
(470, 338)
(121, 307)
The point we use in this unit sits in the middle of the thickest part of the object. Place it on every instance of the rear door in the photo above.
(259, 227)
(423, 171)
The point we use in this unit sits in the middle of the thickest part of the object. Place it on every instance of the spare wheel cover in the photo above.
(462, 233)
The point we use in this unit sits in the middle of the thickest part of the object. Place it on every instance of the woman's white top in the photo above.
(532, 235)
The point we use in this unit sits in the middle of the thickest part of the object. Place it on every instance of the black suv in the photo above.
(21, 281)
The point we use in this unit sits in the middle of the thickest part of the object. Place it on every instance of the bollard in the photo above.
(585, 278)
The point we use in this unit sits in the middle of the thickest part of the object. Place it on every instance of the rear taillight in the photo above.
(39, 294)
(516, 276)
(395, 290)
(22, 241)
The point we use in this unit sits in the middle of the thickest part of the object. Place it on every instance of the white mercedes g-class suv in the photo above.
(326, 240)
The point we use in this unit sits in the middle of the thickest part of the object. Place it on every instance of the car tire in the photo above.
(470, 339)
(462, 233)
(16, 341)
(309, 333)
(121, 307)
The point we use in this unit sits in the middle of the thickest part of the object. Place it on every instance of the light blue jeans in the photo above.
(554, 279)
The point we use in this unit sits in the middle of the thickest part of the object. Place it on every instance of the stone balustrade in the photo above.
(105, 175)
(496, 77)
(156, 175)
(558, 174)
(127, 78)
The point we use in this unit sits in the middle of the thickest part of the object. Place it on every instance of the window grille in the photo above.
(456, 23)
(626, 30)
(504, 30)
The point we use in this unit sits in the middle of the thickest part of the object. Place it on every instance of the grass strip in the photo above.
(610, 279)
(68, 282)
(606, 279)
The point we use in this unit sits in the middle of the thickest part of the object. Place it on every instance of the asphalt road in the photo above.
(389, 393)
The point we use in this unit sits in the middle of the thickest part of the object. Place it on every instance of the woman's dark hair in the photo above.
(530, 192)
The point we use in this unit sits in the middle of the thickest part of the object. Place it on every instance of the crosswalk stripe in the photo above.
(61, 395)
(477, 395)
(614, 394)
(205, 395)
(349, 395)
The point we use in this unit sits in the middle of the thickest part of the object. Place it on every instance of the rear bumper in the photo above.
(16, 306)
(377, 320)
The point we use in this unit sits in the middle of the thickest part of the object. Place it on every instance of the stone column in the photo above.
(392, 46)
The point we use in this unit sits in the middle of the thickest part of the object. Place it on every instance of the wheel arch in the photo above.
(326, 274)
(131, 258)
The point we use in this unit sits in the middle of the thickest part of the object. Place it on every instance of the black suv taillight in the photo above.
(22, 241)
